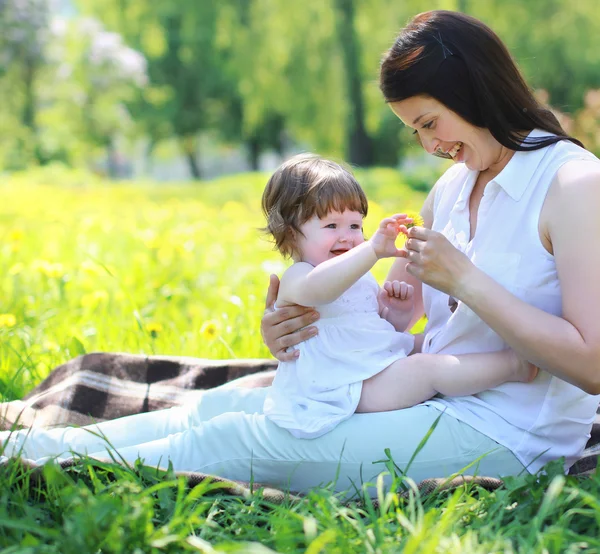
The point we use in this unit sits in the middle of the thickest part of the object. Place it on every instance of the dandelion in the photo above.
(417, 219)
(15, 235)
(154, 328)
(210, 330)
(7, 320)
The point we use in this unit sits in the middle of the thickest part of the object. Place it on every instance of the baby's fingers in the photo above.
(388, 287)
(399, 289)
(406, 291)
(396, 221)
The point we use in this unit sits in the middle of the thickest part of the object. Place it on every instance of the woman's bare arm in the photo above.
(567, 346)
(286, 327)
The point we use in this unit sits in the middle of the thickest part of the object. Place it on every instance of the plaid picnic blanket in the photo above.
(101, 386)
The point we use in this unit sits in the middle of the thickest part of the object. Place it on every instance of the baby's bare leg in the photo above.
(417, 378)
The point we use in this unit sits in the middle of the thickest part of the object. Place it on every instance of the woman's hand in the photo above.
(436, 262)
(285, 327)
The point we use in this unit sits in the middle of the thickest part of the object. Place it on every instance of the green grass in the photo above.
(87, 265)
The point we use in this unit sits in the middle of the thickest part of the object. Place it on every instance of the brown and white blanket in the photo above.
(101, 386)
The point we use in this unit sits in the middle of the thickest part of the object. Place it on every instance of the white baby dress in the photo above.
(322, 387)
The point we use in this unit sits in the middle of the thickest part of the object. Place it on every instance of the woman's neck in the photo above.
(505, 155)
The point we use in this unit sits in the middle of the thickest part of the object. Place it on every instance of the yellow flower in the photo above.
(15, 235)
(210, 329)
(7, 320)
(417, 219)
(154, 328)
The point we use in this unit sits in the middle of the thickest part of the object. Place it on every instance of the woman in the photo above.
(503, 259)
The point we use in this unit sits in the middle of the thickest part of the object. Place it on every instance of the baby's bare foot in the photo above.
(525, 372)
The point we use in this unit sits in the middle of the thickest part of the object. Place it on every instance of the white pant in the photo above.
(224, 433)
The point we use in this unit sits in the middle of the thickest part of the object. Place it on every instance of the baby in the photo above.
(359, 361)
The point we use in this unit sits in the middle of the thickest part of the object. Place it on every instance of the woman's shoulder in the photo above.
(578, 172)
(575, 164)
(576, 186)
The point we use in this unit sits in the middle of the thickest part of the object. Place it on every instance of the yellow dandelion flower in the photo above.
(7, 320)
(154, 328)
(15, 235)
(210, 330)
(417, 219)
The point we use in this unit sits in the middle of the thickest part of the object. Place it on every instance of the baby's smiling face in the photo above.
(326, 238)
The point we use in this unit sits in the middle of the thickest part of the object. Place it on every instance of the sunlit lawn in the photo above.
(91, 266)
(87, 265)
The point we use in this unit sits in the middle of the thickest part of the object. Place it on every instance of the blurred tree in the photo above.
(23, 38)
(586, 124)
(259, 71)
(184, 66)
(93, 74)
(313, 67)
(554, 43)
(359, 143)
(280, 54)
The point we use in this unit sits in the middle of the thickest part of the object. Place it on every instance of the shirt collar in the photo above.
(520, 169)
(514, 178)
(467, 187)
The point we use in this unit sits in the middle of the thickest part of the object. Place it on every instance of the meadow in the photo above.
(87, 265)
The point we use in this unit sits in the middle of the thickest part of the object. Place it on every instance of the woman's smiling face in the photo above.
(442, 130)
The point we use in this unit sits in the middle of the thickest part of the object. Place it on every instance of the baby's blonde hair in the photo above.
(304, 186)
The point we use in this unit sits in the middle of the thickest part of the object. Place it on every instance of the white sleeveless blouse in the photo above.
(539, 421)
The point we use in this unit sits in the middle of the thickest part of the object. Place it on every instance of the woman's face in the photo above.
(442, 130)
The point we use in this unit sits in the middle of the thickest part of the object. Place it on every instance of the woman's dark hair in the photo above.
(462, 63)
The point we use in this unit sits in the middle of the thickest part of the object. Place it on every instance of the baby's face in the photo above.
(323, 239)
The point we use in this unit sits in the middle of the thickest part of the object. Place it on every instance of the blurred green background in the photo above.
(173, 90)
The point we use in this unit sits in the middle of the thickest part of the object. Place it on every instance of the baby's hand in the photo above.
(397, 303)
(399, 295)
(384, 238)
